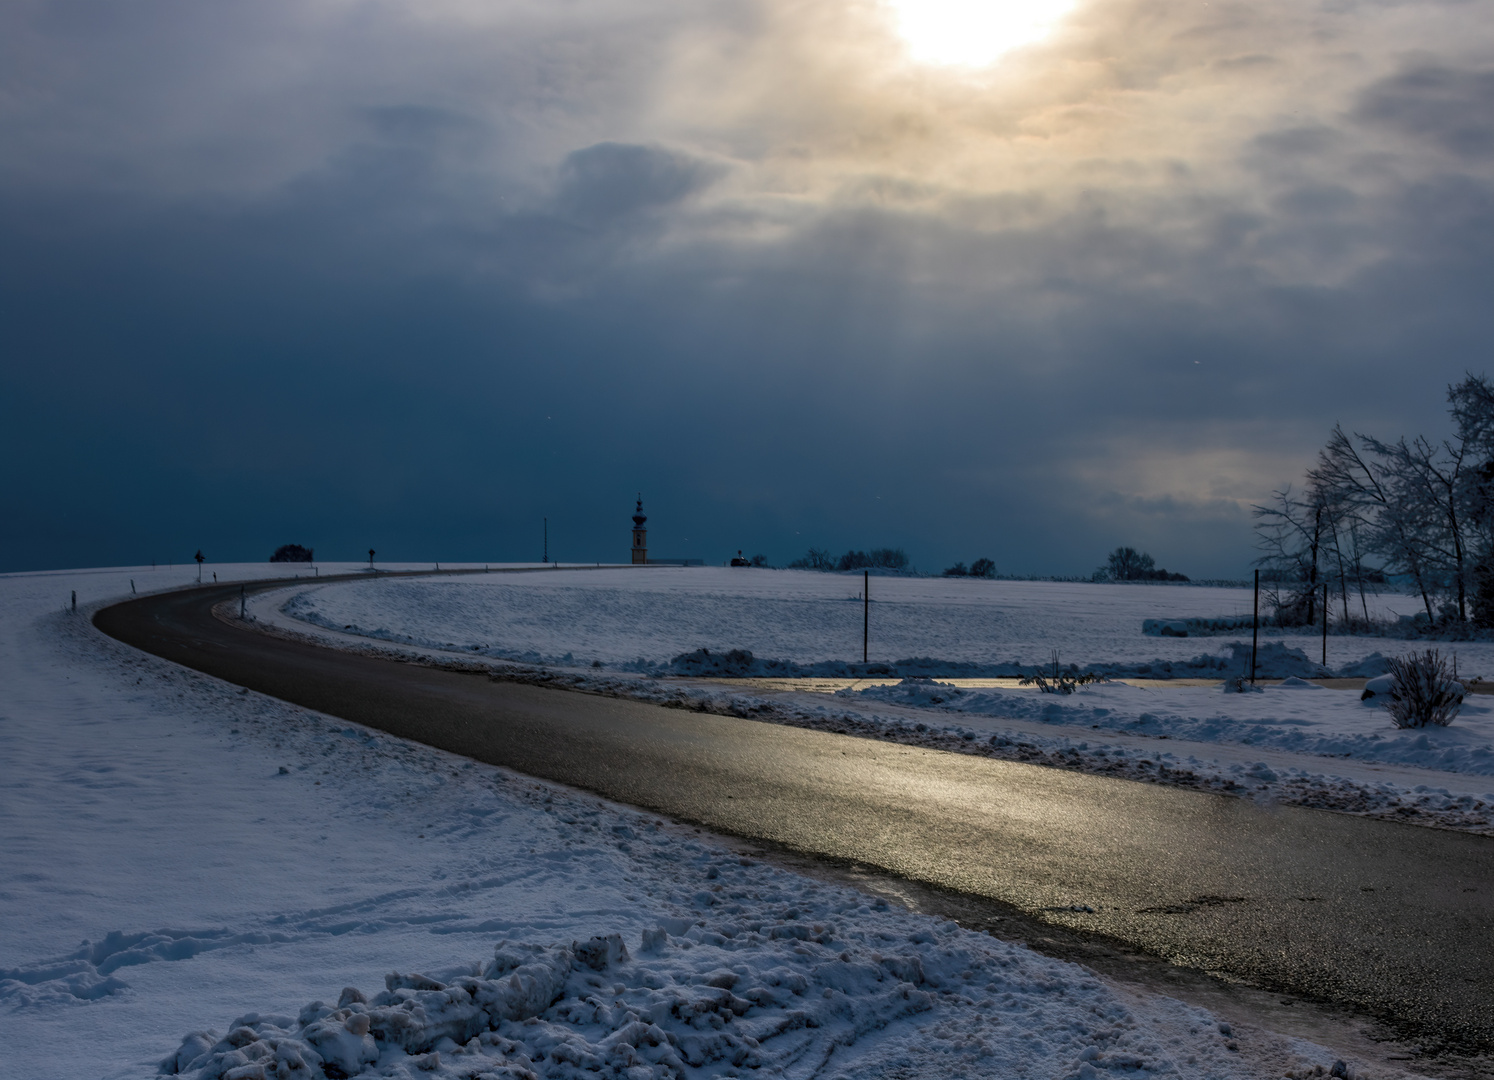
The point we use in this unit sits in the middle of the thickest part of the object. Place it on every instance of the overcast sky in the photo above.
(415, 276)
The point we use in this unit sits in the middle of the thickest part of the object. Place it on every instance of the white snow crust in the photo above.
(201, 881)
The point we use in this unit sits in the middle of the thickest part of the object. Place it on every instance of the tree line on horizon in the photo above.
(876, 559)
(1418, 508)
(1128, 564)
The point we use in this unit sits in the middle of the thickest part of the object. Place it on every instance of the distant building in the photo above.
(640, 534)
(640, 544)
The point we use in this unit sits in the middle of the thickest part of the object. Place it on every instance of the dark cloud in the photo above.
(612, 180)
(1450, 108)
(423, 124)
(1296, 143)
(372, 293)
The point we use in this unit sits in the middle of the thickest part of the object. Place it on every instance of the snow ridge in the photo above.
(730, 989)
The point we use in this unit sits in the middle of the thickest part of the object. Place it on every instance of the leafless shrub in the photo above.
(1422, 691)
(1056, 680)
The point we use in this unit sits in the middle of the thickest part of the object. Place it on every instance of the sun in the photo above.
(973, 33)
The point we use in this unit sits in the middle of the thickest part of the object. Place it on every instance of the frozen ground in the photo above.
(197, 875)
(1297, 742)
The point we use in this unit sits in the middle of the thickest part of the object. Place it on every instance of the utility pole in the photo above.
(865, 611)
(1325, 624)
(1255, 625)
(547, 541)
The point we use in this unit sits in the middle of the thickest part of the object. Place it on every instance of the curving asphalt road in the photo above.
(1392, 919)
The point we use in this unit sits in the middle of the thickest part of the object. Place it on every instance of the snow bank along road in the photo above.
(1392, 919)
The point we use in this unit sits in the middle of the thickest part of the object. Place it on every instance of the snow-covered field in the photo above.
(201, 876)
(643, 618)
(619, 631)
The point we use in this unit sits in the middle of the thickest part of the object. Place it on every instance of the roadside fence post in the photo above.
(243, 599)
(1255, 625)
(75, 599)
(1325, 624)
(865, 611)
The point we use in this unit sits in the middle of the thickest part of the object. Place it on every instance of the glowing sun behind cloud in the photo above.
(973, 33)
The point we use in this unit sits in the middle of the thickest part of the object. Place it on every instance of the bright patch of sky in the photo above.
(973, 34)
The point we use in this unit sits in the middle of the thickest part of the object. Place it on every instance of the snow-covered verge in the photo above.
(1297, 743)
(810, 624)
(233, 866)
(1294, 715)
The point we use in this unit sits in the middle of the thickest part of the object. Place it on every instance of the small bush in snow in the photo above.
(1422, 691)
(1056, 680)
(1240, 684)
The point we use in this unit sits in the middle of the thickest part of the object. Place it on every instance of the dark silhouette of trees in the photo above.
(1415, 507)
(292, 553)
(980, 568)
(876, 559)
(1128, 564)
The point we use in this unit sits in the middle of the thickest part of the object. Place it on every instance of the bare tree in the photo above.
(1290, 533)
(1419, 507)
(1128, 564)
(1471, 403)
(1429, 479)
(1373, 502)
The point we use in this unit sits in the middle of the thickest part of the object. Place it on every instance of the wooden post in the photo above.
(1325, 624)
(865, 611)
(243, 599)
(1255, 626)
(75, 599)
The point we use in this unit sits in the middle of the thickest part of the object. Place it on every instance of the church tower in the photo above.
(640, 534)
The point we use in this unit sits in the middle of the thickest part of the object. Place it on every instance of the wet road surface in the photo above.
(1392, 919)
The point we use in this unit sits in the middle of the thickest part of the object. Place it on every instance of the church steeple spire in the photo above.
(640, 534)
